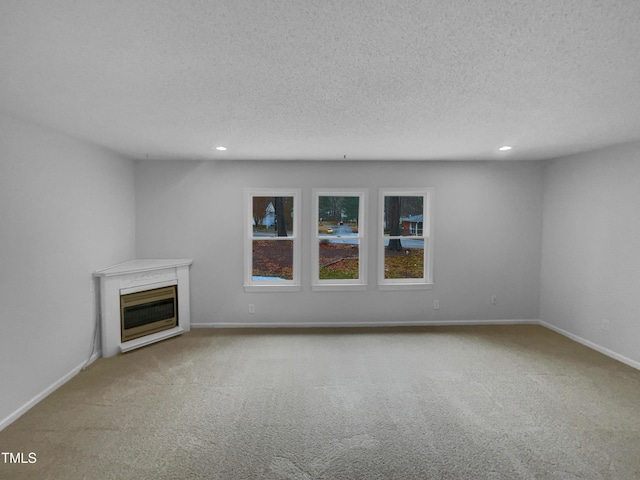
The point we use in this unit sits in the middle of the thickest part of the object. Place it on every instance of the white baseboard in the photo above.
(5, 422)
(417, 323)
(593, 346)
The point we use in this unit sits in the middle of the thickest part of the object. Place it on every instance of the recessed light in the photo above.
(505, 148)
(221, 148)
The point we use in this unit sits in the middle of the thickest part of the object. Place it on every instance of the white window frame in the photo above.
(359, 283)
(251, 285)
(427, 234)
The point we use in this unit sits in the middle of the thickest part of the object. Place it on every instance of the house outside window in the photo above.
(412, 225)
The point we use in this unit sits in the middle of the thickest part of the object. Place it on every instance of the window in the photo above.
(406, 246)
(272, 250)
(339, 252)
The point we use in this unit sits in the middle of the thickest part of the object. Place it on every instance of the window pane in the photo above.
(339, 260)
(272, 260)
(338, 215)
(403, 215)
(272, 216)
(403, 258)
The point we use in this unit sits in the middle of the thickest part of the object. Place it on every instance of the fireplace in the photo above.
(147, 312)
(141, 302)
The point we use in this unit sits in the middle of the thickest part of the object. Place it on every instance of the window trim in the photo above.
(425, 282)
(294, 284)
(359, 283)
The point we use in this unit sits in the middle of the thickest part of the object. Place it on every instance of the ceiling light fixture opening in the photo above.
(221, 148)
(505, 148)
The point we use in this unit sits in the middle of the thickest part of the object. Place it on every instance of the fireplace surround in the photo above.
(132, 283)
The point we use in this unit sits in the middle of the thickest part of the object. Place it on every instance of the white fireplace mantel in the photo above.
(136, 276)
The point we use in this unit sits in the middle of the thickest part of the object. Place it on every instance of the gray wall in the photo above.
(67, 209)
(591, 249)
(488, 223)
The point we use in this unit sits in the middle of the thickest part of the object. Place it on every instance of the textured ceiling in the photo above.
(321, 79)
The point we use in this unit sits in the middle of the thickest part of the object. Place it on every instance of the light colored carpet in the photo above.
(501, 402)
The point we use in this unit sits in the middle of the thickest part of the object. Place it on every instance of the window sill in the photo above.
(339, 287)
(271, 288)
(405, 286)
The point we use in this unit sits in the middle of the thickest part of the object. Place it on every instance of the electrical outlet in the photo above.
(436, 304)
(494, 299)
(252, 308)
(605, 324)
